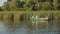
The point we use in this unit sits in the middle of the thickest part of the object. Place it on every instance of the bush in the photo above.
(1, 9)
(46, 6)
(26, 8)
(58, 7)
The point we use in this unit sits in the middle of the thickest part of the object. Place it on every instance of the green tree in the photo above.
(1, 9)
(46, 6)
(9, 6)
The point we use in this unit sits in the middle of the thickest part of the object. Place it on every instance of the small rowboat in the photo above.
(39, 19)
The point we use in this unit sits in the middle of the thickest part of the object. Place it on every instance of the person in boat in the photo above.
(37, 16)
(33, 16)
(37, 20)
(46, 17)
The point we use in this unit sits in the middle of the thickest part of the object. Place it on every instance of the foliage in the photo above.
(17, 5)
(1, 9)
(9, 6)
(26, 8)
(46, 6)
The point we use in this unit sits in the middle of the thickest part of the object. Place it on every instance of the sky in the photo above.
(2, 2)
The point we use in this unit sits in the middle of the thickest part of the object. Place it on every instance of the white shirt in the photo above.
(36, 16)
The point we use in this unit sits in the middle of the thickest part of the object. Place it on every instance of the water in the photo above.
(28, 27)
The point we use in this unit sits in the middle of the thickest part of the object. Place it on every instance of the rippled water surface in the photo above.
(30, 27)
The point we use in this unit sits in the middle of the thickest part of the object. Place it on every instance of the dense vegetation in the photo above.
(37, 5)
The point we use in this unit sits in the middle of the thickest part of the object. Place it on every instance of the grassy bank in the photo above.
(52, 14)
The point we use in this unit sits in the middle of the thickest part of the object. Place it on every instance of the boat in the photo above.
(39, 19)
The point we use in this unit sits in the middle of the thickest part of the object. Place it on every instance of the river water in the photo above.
(30, 27)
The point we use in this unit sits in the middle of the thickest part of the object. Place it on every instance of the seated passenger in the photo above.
(36, 16)
(33, 16)
(46, 17)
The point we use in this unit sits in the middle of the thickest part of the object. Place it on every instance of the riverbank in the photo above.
(25, 15)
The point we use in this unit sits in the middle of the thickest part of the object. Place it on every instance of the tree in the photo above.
(20, 4)
(9, 6)
(58, 7)
(46, 6)
(0, 9)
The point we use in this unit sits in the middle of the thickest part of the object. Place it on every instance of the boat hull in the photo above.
(39, 19)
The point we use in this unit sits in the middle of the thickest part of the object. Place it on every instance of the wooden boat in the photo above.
(39, 19)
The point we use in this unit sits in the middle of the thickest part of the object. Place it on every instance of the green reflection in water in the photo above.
(29, 25)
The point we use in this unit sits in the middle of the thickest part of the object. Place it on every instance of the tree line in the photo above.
(17, 5)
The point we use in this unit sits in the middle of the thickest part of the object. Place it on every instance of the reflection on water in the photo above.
(30, 27)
